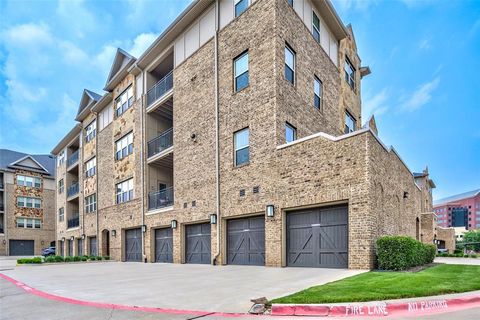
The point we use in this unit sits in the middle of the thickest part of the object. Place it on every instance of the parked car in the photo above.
(50, 251)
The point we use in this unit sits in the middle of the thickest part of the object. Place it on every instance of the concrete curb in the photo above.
(422, 306)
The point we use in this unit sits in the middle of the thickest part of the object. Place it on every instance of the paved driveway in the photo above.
(194, 287)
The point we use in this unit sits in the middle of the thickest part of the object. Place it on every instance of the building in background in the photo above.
(236, 138)
(27, 203)
(461, 211)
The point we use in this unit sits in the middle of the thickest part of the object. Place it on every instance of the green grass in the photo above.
(442, 279)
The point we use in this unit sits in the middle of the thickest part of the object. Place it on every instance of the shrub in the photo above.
(473, 256)
(68, 259)
(99, 258)
(84, 258)
(59, 259)
(106, 258)
(35, 260)
(457, 251)
(400, 253)
(77, 258)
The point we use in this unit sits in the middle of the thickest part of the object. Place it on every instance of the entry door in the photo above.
(318, 238)
(70, 248)
(198, 243)
(133, 245)
(164, 245)
(93, 246)
(79, 247)
(246, 241)
(22, 247)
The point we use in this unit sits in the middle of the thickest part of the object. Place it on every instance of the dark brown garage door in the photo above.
(318, 238)
(246, 241)
(164, 245)
(197, 244)
(133, 245)
(22, 247)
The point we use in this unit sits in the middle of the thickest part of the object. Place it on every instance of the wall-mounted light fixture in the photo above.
(270, 210)
(213, 218)
(83, 236)
(72, 238)
(4, 241)
(144, 228)
(114, 233)
(63, 239)
(405, 195)
(43, 242)
(173, 224)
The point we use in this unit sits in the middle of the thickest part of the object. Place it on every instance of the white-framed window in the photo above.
(28, 181)
(290, 132)
(349, 122)
(61, 186)
(349, 73)
(124, 101)
(315, 26)
(29, 223)
(29, 202)
(124, 146)
(242, 146)
(91, 166)
(91, 203)
(124, 191)
(105, 117)
(240, 6)
(61, 158)
(240, 66)
(317, 93)
(289, 64)
(61, 214)
(91, 131)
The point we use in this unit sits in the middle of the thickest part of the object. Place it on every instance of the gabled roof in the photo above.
(457, 197)
(122, 61)
(88, 99)
(43, 163)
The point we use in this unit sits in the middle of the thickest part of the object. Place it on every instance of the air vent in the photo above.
(242, 192)
(256, 189)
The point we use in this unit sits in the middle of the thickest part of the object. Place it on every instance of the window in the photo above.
(290, 2)
(105, 117)
(29, 223)
(91, 203)
(241, 71)
(242, 147)
(316, 27)
(240, 7)
(317, 93)
(61, 186)
(289, 64)
(124, 101)
(28, 202)
(61, 158)
(349, 122)
(125, 191)
(91, 131)
(290, 132)
(124, 146)
(91, 166)
(61, 214)
(350, 73)
(29, 181)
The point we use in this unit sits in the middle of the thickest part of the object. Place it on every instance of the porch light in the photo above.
(144, 228)
(270, 210)
(83, 236)
(213, 218)
(63, 239)
(114, 233)
(72, 238)
(174, 224)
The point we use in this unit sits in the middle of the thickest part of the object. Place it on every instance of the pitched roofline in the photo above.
(82, 114)
(114, 79)
(104, 101)
(31, 158)
(75, 131)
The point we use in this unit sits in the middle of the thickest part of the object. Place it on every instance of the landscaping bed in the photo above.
(386, 285)
(60, 259)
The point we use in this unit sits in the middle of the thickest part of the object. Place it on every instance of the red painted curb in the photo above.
(380, 309)
(119, 306)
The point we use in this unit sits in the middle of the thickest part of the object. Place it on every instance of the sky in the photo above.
(424, 89)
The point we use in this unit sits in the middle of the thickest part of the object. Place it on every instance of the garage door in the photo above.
(22, 247)
(318, 238)
(246, 241)
(133, 245)
(197, 244)
(164, 245)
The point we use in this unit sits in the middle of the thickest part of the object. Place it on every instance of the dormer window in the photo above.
(124, 101)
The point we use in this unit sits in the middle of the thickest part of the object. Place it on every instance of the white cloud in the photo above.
(27, 35)
(376, 104)
(141, 43)
(424, 44)
(72, 54)
(421, 96)
(104, 59)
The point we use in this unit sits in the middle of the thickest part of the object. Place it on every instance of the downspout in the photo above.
(142, 165)
(217, 144)
(96, 182)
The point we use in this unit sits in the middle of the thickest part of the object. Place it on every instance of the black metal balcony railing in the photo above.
(160, 143)
(2, 207)
(73, 190)
(160, 88)
(160, 199)
(1, 184)
(73, 222)
(73, 159)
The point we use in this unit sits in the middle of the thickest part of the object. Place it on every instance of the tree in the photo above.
(472, 236)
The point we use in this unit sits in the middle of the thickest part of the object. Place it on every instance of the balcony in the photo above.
(73, 190)
(2, 207)
(160, 89)
(73, 159)
(1, 185)
(160, 199)
(158, 145)
(73, 222)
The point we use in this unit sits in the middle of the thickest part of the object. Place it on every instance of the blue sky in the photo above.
(424, 88)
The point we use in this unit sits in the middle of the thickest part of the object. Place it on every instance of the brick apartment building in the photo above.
(27, 203)
(235, 138)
